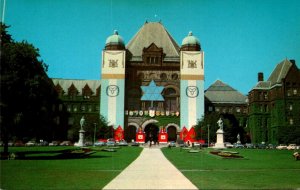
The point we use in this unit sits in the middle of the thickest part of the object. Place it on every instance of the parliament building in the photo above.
(152, 85)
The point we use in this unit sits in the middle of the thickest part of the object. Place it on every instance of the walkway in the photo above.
(151, 170)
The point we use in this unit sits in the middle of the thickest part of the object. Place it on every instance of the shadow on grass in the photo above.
(59, 157)
(52, 155)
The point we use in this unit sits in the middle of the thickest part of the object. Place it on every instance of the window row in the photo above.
(82, 108)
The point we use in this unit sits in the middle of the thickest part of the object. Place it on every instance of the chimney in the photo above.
(293, 61)
(260, 76)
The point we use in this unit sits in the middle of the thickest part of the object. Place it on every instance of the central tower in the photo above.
(113, 81)
(191, 82)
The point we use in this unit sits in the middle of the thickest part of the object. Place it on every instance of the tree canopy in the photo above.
(27, 94)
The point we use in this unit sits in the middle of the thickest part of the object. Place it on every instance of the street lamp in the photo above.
(208, 136)
(95, 125)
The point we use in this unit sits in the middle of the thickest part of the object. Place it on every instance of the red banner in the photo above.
(119, 134)
(183, 134)
(191, 136)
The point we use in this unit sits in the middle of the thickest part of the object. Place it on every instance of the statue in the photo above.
(238, 139)
(82, 122)
(220, 123)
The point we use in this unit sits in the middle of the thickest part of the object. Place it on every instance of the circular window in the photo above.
(163, 76)
(175, 76)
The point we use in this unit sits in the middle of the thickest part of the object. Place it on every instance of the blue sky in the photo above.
(239, 37)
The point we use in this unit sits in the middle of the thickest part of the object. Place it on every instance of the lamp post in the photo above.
(95, 125)
(208, 136)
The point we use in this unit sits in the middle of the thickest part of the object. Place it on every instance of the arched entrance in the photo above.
(172, 133)
(130, 133)
(151, 131)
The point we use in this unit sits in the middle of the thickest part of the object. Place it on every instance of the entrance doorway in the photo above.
(172, 133)
(151, 131)
(130, 133)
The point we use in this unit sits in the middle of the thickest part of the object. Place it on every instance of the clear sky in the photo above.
(239, 37)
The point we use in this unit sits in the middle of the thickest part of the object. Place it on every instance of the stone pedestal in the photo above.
(81, 138)
(220, 139)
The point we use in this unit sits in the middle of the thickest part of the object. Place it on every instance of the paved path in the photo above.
(151, 170)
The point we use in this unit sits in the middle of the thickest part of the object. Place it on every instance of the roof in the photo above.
(220, 92)
(114, 39)
(79, 84)
(279, 73)
(190, 40)
(153, 32)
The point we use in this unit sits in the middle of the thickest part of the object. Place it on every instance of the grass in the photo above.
(41, 169)
(260, 169)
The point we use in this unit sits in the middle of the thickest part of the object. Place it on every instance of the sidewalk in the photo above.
(151, 170)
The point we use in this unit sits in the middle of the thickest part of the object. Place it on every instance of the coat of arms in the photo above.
(112, 90)
(151, 113)
(192, 91)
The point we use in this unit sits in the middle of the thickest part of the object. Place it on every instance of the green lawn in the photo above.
(44, 170)
(260, 169)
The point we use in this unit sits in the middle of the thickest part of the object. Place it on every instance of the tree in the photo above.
(27, 94)
(231, 127)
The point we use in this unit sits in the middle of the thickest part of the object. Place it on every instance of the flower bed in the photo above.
(226, 154)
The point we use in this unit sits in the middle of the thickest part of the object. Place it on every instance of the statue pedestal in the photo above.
(220, 139)
(81, 138)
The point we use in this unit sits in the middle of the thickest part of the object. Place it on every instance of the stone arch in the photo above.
(130, 131)
(174, 129)
(175, 125)
(150, 121)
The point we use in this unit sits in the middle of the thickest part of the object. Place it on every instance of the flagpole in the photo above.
(3, 11)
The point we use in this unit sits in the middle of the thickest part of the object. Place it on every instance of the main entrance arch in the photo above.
(151, 130)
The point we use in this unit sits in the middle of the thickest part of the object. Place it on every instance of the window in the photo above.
(174, 76)
(291, 107)
(217, 109)
(163, 76)
(295, 91)
(69, 109)
(291, 121)
(238, 109)
(210, 108)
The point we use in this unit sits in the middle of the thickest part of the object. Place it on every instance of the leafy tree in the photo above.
(230, 123)
(27, 94)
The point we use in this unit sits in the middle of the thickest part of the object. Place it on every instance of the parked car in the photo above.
(228, 145)
(292, 147)
(54, 143)
(172, 144)
(238, 145)
(99, 143)
(30, 143)
(19, 143)
(123, 143)
(135, 144)
(66, 143)
(249, 145)
(271, 146)
(111, 142)
(88, 143)
(281, 147)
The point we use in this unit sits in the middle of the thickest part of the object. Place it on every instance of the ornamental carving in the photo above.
(192, 64)
(113, 63)
(192, 91)
(112, 90)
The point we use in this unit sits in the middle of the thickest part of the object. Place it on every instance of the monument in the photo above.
(81, 133)
(220, 135)
(238, 139)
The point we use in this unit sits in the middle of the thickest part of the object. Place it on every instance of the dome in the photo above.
(190, 40)
(114, 39)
